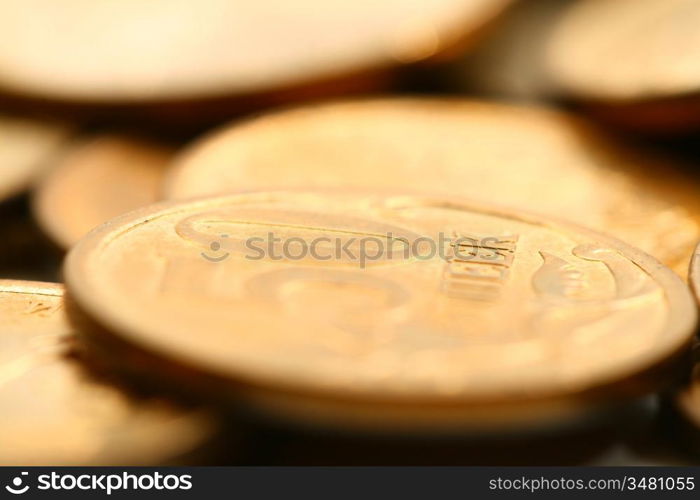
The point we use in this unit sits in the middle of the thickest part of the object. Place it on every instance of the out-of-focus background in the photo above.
(163, 74)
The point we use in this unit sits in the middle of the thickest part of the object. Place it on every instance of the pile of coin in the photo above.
(453, 266)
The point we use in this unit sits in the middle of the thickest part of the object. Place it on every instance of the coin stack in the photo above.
(335, 233)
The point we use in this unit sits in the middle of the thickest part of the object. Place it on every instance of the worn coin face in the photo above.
(96, 180)
(631, 51)
(380, 298)
(25, 148)
(130, 52)
(528, 158)
(55, 413)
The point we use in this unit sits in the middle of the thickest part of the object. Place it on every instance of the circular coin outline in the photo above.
(84, 286)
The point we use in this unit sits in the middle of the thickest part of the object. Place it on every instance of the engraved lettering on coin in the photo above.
(296, 236)
(482, 273)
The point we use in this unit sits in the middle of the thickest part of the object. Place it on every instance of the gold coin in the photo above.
(640, 56)
(55, 413)
(96, 180)
(135, 52)
(254, 295)
(25, 148)
(529, 158)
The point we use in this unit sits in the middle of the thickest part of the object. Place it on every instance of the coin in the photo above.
(526, 157)
(168, 51)
(694, 273)
(272, 297)
(635, 60)
(56, 413)
(25, 147)
(96, 180)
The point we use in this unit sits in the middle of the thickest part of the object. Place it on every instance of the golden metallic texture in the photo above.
(542, 311)
(96, 180)
(529, 158)
(54, 412)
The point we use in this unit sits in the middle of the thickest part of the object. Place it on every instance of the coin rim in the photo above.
(694, 274)
(31, 287)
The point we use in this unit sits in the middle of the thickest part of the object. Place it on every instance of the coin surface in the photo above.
(529, 158)
(25, 147)
(628, 52)
(55, 413)
(96, 180)
(316, 295)
(130, 52)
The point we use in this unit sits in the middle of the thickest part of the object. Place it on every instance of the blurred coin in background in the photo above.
(526, 157)
(26, 146)
(95, 180)
(509, 62)
(164, 51)
(545, 320)
(54, 412)
(636, 62)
